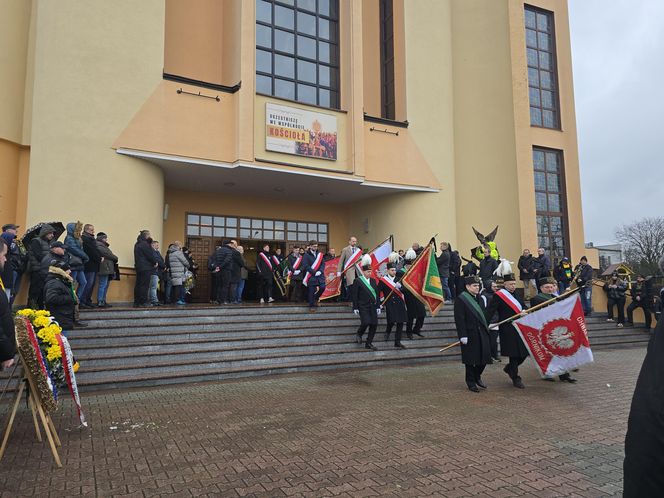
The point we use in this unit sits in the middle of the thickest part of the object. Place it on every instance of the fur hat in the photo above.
(410, 254)
(393, 257)
(473, 279)
(366, 262)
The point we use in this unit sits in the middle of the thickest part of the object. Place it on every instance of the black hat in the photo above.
(391, 265)
(473, 279)
(9, 226)
(57, 243)
(509, 278)
(547, 280)
(60, 264)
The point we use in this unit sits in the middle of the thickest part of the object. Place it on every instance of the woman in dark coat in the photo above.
(365, 303)
(473, 332)
(59, 297)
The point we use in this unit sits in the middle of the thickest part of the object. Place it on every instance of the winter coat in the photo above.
(90, 248)
(366, 302)
(526, 266)
(7, 335)
(78, 257)
(542, 266)
(144, 259)
(487, 267)
(470, 269)
(178, 264)
(510, 341)
(394, 305)
(308, 261)
(471, 323)
(244, 273)
(617, 294)
(455, 264)
(564, 272)
(161, 264)
(643, 290)
(443, 262)
(585, 274)
(6, 274)
(59, 297)
(237, 262)
(48, 259)
(39, 247)
(106, 267)
(223, 258)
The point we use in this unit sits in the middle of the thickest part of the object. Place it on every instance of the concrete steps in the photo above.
(125, 347)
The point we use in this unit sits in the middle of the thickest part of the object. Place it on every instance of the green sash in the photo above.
(467, 298)
(366, 282)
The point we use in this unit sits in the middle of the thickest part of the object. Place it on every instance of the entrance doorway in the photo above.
(204, 233)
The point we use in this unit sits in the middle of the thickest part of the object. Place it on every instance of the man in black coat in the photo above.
(473, 331)
(615, 296)
(488, 265)
(144, 264)
(485, 298)
(541, 266)
(91, 266)
(7, 334)
(641, 298)
(394, 302)
(415, 308)
(314, 279)
(507, 304)
(366, 304)
(584, 279)
(296, 275)
(57, 253)
(265, 268)
(59, 297)
(527, 275)
(644, 443)
(39, 247)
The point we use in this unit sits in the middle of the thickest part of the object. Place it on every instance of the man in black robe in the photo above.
(507, 304)
(473, 331)
(644, 444)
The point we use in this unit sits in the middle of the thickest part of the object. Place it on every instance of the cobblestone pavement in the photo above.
(409, 431)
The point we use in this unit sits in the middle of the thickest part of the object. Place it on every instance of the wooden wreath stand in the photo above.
(37, 411)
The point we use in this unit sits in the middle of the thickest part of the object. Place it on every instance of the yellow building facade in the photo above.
(282, 121)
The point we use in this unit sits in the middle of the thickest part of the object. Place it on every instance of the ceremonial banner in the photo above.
(292, 130)
(556, 337)
(423, 280)
(332, 282)
(379, 257)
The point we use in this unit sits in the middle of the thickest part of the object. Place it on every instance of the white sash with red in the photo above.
(510, 300)
(276, 260)
(393, 288)
(296, 265)
(266, 259)
(314, 267)
(354, 258)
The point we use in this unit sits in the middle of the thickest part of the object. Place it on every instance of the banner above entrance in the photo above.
(291, 130)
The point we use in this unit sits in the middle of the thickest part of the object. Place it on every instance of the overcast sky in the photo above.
(618, 57)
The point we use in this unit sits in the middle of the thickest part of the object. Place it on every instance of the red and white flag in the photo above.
(379, 258)
(556, 337)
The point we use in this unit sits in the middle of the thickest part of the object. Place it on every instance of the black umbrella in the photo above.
(33, 232)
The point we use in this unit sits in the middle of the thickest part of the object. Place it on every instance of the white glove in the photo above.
(397, 285)
(297, 272)
(317, 274)
(493, 326)
(357, 312)
(338, 274)
(464, 340)
(378, 310)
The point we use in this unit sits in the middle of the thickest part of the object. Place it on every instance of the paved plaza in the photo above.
(405, 431)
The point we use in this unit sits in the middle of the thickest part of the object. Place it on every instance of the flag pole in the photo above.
(412, 265)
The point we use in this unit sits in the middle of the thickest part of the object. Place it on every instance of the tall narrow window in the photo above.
(297, 50)
(387, 59)
(552, 232)
(542, 72)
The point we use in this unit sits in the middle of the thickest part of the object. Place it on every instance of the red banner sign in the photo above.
(332, 282)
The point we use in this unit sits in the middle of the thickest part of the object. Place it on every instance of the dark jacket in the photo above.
(6, 274)
(643, 291)
(471, 325)
(618, 293)
(525, 265)
(443, 262)
(455, 264)
(394, 305)
(107, 267)
(470, 269)
(291, 262)
(161, 264)
(39, 247)
(237, 263)
(265, 271)
(308, 261)
(49, 258)
(59, 297)
(77, 256)
(510, 341)
(414, 307)
(223, 258)
(144, 259)
(564, 271)
(585, 274)
(364, 301)
(7, 335)
(542, 266)
(487, 267)
(90, 248)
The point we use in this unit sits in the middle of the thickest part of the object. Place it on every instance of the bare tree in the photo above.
(643, 244)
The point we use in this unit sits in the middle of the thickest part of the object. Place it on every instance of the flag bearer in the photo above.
(393, 300)
(365, 303)
(314, 278)
(547, 287)
(507, 304)
(473, 331)
(416, 310)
